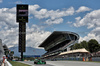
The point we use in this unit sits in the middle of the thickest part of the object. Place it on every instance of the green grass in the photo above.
(14, 63)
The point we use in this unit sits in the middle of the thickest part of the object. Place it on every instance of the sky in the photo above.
(46, 16)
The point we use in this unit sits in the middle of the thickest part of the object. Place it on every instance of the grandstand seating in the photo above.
(58, 42)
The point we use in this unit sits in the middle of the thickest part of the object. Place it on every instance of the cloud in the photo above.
(0, 1)
(50, 15)
(35, 34)
(9, 29)
(9, 36)
(33, 9)
(96, 31)
(69, 22)
(78, 18)
(18, 2)
(44, 13)
(83, 9)
(8, 17)
(90, 36)
(55, 21)
(91, 20)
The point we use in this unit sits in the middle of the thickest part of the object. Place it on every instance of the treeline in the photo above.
(92, 45)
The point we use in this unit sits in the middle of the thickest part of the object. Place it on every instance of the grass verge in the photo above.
(14, 63)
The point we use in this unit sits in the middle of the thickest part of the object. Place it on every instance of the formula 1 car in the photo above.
(39, 61)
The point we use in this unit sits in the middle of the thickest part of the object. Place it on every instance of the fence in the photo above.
(95, 58)
(70, 58)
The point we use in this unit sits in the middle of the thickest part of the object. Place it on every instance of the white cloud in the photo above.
(9, 36)
(0, 1)
(18, 2)
(8, 17)
(83, 9)
(55, 21)
(91, 20)
(69, 22)
(34, 37)
(96, 31)
(33, 9)
(44, 13)
(90, 36)
(78, 18)
(9, 29)
(50, 14)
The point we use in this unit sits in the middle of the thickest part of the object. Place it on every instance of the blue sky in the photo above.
(46, 16)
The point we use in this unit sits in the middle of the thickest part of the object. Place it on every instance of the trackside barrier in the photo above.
(95, 59)
(2, 64)
(77, 59)
(6, 63)
(74, 59)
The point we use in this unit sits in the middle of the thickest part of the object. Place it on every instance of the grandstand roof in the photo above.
(75, 51)
(54, 35)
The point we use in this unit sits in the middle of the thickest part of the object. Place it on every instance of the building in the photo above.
(58, 42)
(75, 53)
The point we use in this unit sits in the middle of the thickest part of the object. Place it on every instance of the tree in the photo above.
(93, 45)
(76, 46)
(84, 44)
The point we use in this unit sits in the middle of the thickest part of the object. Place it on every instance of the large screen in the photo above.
(22, 13)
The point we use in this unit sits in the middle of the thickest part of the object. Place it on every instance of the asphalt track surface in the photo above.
(63, 63)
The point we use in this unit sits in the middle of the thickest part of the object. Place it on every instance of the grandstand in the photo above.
(57, 42)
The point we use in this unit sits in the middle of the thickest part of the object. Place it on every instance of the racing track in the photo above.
(63, 63)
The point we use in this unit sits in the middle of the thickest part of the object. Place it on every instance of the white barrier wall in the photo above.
(1, 50)
(6, 63)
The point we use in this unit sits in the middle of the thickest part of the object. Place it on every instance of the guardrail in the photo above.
(5, 63)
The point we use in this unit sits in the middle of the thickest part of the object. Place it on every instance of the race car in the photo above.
(39, 61)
